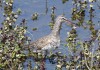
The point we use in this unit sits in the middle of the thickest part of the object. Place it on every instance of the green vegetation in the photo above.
(83, 55)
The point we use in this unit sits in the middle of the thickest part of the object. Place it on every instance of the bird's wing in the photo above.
(42, 42)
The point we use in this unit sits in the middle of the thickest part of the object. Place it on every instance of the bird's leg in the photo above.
(45, 53)
(56, 47)
(42, 65)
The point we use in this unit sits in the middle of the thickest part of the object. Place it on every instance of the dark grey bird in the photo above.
(53, 39)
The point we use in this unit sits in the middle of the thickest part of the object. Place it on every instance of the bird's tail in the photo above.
(29, 46)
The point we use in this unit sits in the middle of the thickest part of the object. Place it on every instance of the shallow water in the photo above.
(29, 7)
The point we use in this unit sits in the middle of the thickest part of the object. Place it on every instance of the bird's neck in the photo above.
(56, 28)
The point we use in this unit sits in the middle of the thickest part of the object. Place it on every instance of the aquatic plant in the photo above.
(82, 54)
(12, 39)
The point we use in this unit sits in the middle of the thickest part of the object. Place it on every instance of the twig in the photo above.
(92, 55)
(9, 66)
(87, 64)
(30, 33)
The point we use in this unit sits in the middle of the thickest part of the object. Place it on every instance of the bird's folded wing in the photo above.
(40, 43)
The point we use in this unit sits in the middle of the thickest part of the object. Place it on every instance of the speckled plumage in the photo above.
(53, 39)
(46, 42)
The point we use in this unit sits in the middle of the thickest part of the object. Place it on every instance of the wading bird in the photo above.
(53, 39)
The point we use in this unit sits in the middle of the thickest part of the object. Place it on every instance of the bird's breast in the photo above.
(54, 42)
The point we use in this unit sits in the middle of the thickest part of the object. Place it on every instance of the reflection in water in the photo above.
(46, 7)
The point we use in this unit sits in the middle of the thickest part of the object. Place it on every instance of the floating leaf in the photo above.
(64, 1)
(19, 11)
(34, 29)
(35, 16)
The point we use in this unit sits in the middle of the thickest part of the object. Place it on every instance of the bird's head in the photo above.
(62, 19)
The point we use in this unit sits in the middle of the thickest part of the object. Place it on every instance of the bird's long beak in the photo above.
(70, 23)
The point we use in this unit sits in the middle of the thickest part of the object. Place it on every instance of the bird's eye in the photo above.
(63, 18)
